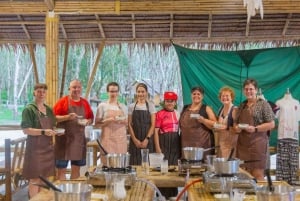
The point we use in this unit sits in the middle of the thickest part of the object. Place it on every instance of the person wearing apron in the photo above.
(37, 123)
(72, 145)
(223, 128)
(253, 139)
(111, 117)
(196, 121)
(166, 136)
(141, 123)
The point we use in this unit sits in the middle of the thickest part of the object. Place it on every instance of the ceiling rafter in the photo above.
(133, 27)
(171, 26)
(24, 27)
(286, 25)
(63, 30)
(209, 25)
(100, 27)
(50, 4)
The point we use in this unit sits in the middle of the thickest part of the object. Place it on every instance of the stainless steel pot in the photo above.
(73, 192)
(223, 166)
(118, 160)
(280, 193)
(194, 153)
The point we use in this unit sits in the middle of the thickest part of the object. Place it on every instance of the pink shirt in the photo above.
(166, 121)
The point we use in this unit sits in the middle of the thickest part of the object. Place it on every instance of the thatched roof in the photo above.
(183, 21)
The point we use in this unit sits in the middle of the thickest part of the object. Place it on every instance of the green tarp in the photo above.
(275, 69)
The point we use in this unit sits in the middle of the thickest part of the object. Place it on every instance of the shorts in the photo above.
(64, 163)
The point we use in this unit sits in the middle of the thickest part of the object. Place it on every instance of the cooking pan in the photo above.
(225, 166)
(194, 153)
(117, 160)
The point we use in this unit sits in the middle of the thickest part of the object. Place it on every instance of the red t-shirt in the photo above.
(62, 105)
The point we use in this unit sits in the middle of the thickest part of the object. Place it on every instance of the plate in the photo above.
(82, 122)
(218, 125)
(243, 126)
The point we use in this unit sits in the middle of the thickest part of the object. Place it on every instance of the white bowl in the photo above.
(243, 126)
(59, 131)
(120, 118)
(195, 116)
(82, 122)
(218, 125)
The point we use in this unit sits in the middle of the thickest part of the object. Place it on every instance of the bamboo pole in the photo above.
(63, 76)
(52, 24)
(92, 76)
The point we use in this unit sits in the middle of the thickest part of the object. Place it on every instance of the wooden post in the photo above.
(8, 193)
(52, 28)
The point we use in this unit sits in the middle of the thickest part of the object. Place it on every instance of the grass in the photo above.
(7, 117)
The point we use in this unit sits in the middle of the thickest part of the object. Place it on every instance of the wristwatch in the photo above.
(148, 138)
(43, 132)
(256, 130)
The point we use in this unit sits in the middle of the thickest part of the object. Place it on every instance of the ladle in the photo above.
(270, 184)
(230, 155)
(49, 184)
(101, 147)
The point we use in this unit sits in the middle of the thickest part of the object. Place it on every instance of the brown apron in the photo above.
(251, 146)
(72, 145)
(39, 154)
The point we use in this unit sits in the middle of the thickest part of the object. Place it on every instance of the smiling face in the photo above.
(226, 98)
(75, 89)
(169, 104)
(250, 91)
(40, 94)
(113, 92)
(197, 97)
(141, 93)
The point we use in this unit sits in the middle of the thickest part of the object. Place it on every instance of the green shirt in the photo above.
(30, 116)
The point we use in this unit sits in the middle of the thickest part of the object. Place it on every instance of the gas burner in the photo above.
(225, 175)
(125, 170)
(191, 161)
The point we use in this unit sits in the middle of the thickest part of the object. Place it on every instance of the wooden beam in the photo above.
(24, 28)
(64, 70)
(247, 29)
(94, 71)
(133, 27)
(171, 26)
(50, 4)
(143, 7)
(287, 22)
(209, 25)
(63, 31)
(32, 56)
(100, 27)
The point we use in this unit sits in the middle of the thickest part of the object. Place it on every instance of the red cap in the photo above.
(169, 95)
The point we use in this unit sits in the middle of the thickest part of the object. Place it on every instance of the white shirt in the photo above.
(288, 117)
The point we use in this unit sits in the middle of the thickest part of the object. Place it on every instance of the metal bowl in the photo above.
(118, 160)
(73, 192)
(193, 153)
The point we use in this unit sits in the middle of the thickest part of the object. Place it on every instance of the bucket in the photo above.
(280, 193)
(73, 192)
(155, 159)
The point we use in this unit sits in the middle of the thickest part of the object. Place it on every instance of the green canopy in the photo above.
(275, 69)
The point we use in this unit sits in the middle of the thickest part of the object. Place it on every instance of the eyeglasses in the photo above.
(113, 91)
(249, 89)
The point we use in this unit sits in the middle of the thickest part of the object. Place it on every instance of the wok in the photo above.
(194, 153)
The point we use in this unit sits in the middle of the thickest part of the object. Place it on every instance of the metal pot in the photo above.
(224, 166)
(118, 160)
(194, 153)
(73, 192)
(280, 193)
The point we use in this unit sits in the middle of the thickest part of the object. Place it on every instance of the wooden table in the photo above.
(197, 192)
(139, 192)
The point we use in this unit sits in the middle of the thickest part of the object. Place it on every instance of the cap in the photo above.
(169, 95)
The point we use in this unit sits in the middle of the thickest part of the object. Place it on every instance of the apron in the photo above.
(195, 134)
(251, 146)
(141, 123)
(170, 146)
(226, 139)
(72, 145)
(113, 138)
(39, 154)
